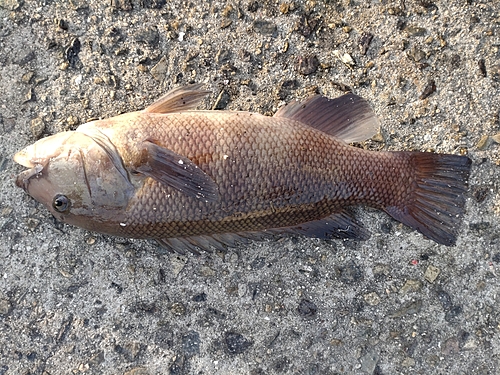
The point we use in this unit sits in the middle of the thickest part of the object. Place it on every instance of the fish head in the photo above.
(76, 179)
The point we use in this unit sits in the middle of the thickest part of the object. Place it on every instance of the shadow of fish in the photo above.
(199, 179)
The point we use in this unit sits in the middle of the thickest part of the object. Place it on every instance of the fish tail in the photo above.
(434, 204)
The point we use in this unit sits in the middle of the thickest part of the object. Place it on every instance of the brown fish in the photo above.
(200, 179)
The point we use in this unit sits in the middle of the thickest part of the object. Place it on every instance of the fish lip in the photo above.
(23, 179)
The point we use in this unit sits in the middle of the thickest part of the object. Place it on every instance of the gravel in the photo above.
(72, 301)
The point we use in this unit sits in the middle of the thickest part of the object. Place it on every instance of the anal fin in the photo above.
(338, 225)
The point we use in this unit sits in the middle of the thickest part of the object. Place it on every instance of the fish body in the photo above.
(193, 178)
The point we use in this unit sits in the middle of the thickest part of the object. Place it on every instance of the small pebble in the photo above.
(37, 127)
(284, 8)
(412, 31)
(496, 138)
(78, 79)
(236, 343)
(159, 71)
(372, 298)
(410, 286)
(5, 306)
(416, 54)
(202, 297)
(452, 314)
(225, 23)
(369, 362)
(11, 4)
(177, 264)
(482, 67)
(408, 309)
(484, 142)
(72, 121)
(222, 100)
(307, 309)
(27, 77)
(191, 343)
(264, 27)
(307, 64)
(129, 350)
(445, 299)
(178, 309)
(72, 52)
(29, 96)
(147, 35)
(480, 193)
(6, 211)
(206, 271)
(408, 362)
(62, 24)
(431, 273)
(350, 273)
(428, 90)
(345, 58)
(227, 10)
(364, 42)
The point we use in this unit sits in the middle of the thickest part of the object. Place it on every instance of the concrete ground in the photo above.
(76, 302)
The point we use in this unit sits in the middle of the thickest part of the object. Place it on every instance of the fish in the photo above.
(202, 179)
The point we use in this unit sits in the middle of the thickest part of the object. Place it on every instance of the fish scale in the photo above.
(307, 175)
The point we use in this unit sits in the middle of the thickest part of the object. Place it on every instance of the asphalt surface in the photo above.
(76, 302)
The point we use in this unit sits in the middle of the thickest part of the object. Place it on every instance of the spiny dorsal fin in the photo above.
(180, 99)
(348, 117)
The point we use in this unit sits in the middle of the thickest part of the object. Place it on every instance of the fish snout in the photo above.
(23, 179)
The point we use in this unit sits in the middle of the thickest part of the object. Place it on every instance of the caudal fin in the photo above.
(435, 204)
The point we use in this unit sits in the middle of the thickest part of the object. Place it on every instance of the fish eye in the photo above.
(61, 203)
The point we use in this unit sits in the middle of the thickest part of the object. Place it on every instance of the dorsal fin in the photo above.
(348, 117)
(180, 99)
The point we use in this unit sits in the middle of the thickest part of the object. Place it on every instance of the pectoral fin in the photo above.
(179, 172)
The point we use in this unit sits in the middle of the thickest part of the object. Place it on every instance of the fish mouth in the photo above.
(24, 178)
(35, 169)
